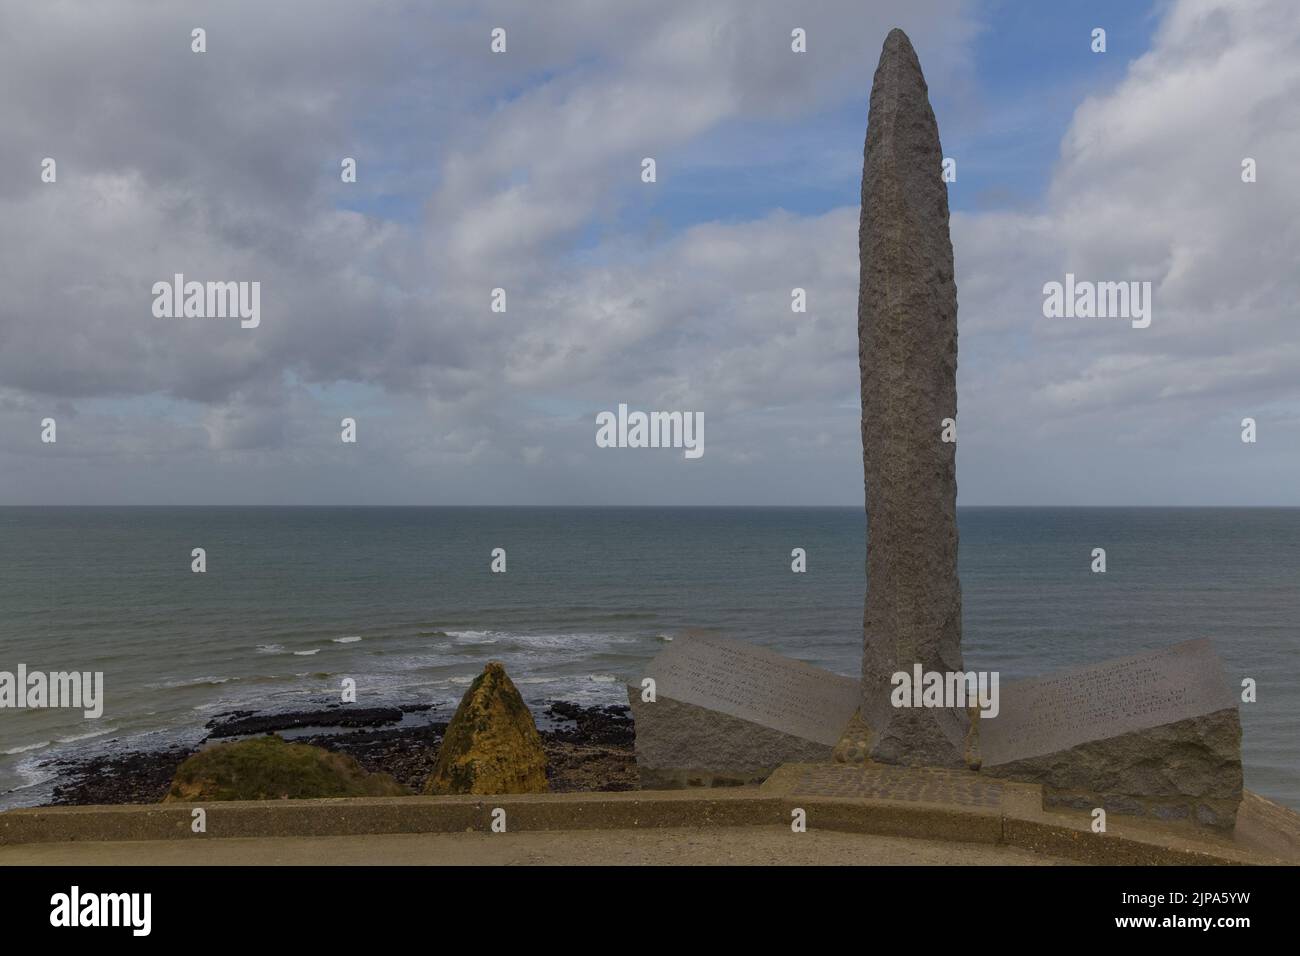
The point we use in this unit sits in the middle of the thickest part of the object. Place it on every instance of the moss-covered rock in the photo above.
(268, 768)
(492, 744)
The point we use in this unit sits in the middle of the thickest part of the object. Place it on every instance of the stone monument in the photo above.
(907, 352)
(1156, 734)
(725, 713)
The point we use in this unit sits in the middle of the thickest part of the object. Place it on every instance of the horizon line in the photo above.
(806, 507)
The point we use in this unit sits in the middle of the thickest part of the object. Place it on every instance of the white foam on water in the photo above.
(25, 747)
(314, 650)
(270, 648)
(94, 733)
(578, 640)
(344, 640)
(176, 682)
(31, 775)
(475, 637)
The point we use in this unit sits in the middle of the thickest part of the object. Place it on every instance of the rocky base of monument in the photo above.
(724, 713)
(1155, 735)
(1187, 770)
(723, 751)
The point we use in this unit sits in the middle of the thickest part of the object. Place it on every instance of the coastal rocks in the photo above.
(592, 751)
(611, 725)
(907, 351)
(241, 723)
(115, 776)
(268, 768)
(492, 744)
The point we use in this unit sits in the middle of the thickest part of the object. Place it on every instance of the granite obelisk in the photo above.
(907, 351)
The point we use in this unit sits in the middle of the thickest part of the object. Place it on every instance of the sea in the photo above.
(404, 601)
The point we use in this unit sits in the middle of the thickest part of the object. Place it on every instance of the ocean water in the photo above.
(402, 600)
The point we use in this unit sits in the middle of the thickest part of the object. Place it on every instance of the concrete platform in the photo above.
(934, 806)
(659, 846)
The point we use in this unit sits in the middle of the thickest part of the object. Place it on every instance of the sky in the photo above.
(522, 170)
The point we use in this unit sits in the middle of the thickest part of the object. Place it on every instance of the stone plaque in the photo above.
(1044, 715)
(756, 685)
(727, 713)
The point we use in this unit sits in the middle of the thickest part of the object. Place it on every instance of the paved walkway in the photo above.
(751, 845)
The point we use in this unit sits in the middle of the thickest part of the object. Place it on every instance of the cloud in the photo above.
(522, 172)
(1148, 187)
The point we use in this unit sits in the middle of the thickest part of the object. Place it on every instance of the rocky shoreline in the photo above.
(587, 749)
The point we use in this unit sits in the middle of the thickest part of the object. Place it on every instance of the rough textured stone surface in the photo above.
(1155, 734)
(683, 745)
(911, 784)
(268, 768)
(492, 744)
(854, 745)
(728, 713)
(1189, 770)
(907, 335)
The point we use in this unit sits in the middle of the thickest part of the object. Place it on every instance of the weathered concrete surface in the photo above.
(492, 744)
(1265, 832)
(939, 803)
(772, 845)
(907, 350)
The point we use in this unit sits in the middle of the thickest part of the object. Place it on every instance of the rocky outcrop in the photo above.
(492, 744)
(268, 768)
(243, 723)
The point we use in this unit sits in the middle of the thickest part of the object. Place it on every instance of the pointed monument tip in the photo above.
(897, 55)
(897, 40)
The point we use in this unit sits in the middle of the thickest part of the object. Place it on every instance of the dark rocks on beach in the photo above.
(907, 351)
(243, 723)
(131, 777)
(593, 725)
(407, 753)
(593, 754)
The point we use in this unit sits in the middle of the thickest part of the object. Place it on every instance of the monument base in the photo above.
(1188, 770)
(712, 712)
(1155, 735)
(681, 745)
